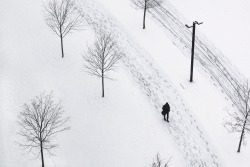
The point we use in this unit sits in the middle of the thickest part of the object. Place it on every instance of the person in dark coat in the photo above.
(166, 110)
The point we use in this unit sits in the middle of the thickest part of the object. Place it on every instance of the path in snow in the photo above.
(207, 58)
(155, 84)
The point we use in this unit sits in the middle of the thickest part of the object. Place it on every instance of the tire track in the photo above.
(211, 62)
(156, 86)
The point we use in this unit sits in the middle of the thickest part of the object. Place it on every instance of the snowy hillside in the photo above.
(125, 128)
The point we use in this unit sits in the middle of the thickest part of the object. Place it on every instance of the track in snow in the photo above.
(156, 85)
(212, 62)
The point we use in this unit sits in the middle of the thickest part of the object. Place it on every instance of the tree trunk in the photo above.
(242, 133)
(241, 138)
(144, 16)
(41, 146)
(102, 84)
(62, 45)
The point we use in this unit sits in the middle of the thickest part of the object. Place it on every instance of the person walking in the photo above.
(166, 110)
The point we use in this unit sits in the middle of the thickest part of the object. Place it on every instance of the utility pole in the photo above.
(192, 51)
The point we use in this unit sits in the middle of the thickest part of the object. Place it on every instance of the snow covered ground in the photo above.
(125, 128)
(206, 100)
(119, 130)
(226, 24)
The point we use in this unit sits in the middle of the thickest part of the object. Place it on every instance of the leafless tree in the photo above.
(145, 5)
(158, 162)
(103, 56)
(38, 123)
(240, 121)
(62, 17)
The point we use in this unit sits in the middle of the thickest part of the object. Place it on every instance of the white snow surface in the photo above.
(226, 24)
(125, 128)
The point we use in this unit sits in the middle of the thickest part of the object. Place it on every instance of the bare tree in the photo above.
(62, 17)
(158, 162)
(38, 123)
(103, 56)
(145, 5)
(240, 121)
